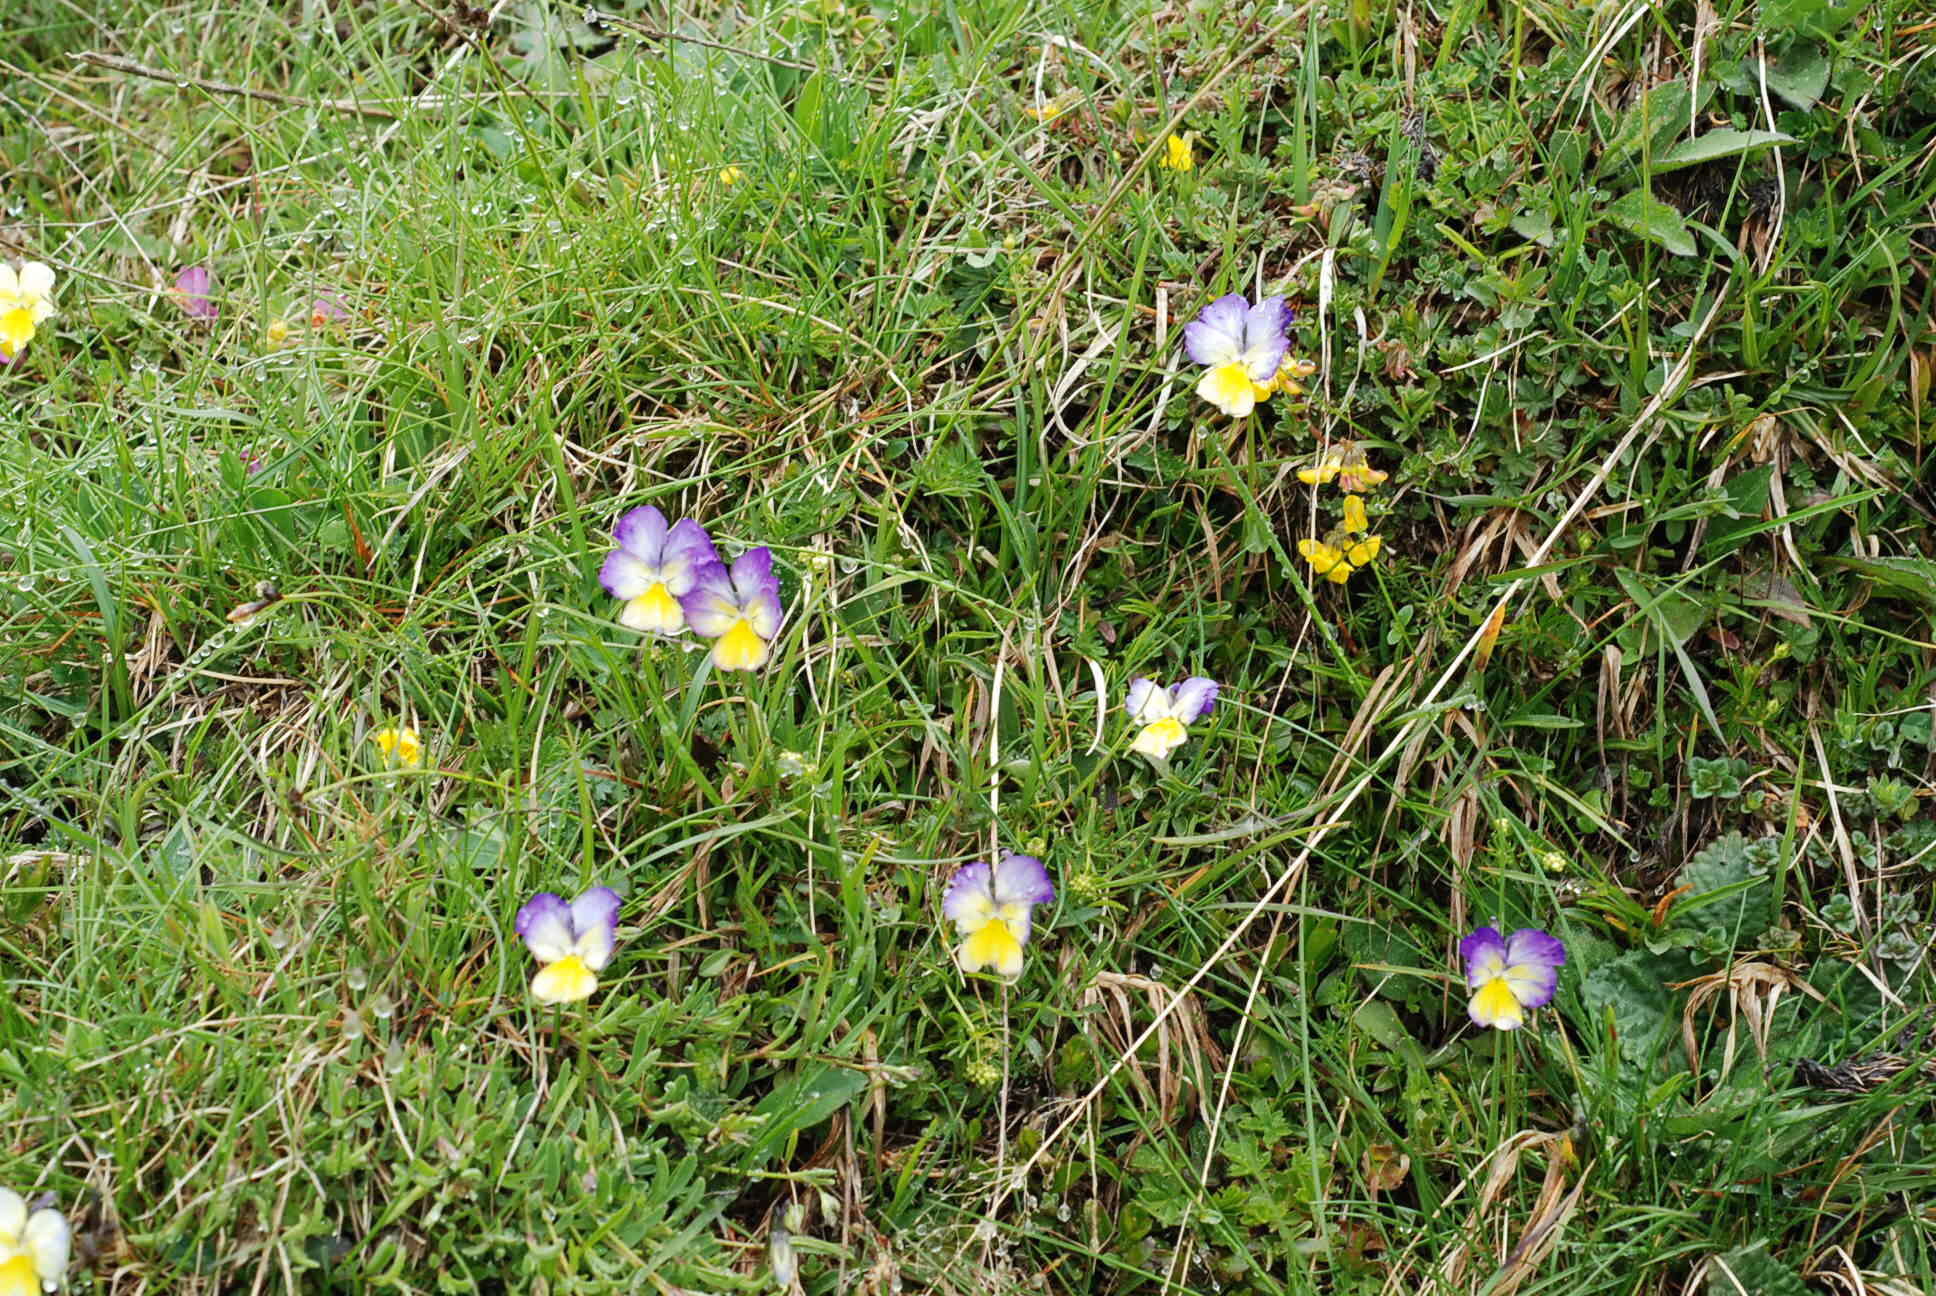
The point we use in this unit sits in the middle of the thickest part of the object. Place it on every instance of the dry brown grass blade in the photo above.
(1754, 988)
(1182, 1045)
(1548, 1216)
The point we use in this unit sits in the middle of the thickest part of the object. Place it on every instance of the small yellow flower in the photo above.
(731, 175)
(1054, 108)
(1336, 557)
(1345, 550)
(1345, 463)
(277, 332)
(400, 747)
(1178, 155)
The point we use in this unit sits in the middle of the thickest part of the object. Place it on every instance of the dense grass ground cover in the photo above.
(1631, 301)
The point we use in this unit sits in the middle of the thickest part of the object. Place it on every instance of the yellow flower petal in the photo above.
(1229, 388)
(655, 612)
(740, 648)
(1320, 555)
(1178, 155)
(1496, 1005)
(17, 1277)
(400, 746)
(16, 328)
(1354, 513)
(1160, 738)
(991, 946)
(566, 981)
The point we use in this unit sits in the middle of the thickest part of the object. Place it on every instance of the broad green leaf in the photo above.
(1641, 213)
(1715, 145)
(1913, 578)
(1799, 77)
(1752, 1269)
(1633, 989)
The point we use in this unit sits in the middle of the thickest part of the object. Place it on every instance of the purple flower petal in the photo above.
(545, 925)
(1140, 692)
(687, 549)
(1022, 879)
(642, 533)
(1216, 336)
(594, 925)
(1484, 952)
(1193, 699)
(753, 575)
(1533, 962)
(625, 575)
(710, 605)
(968, 897)
(1266, 337)
(327, 307)
(192, 288)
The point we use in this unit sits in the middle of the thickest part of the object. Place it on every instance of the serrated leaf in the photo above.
(1715, 145)
(1730, 891)
(1633, 988)
(1752, 1269)
(1643, 214)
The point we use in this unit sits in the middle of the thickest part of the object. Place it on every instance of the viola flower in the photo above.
(327, 308)
(572, 941)
(738, 609)
(33, 1247)
(26, 302)
(654, 567)
(192, 290)
(1178, 155)
(990, 906)
(1510, 974)
(1242, 345)
(1164, 712)
(400, 746)
(1344, 462)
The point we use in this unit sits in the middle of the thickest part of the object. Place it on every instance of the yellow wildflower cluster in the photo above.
(1351, 545)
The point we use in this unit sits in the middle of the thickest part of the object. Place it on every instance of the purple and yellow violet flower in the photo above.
(1510, 974)
(989, 906)
(573, 941)
(33, 1247)
(654, 567)
(738, 608)
(1243, 347)
(1165, 713)
(26, 302)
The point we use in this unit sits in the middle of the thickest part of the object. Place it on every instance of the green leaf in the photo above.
(1715, 145)
(1730, 888)
(1641, 213)
(1913, 578)
(1799, 77)
(803, 1102)
(1752, 1269)
(1632, 988)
